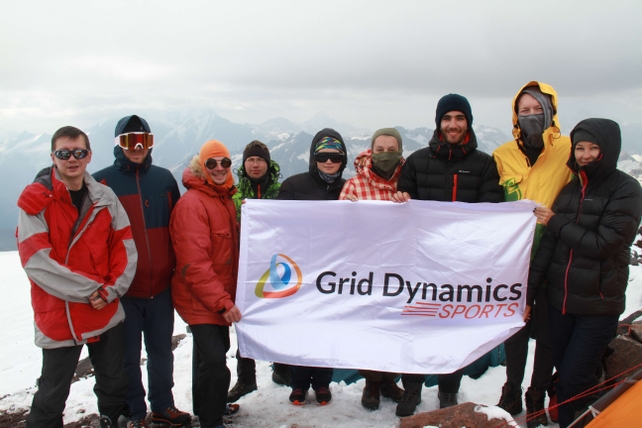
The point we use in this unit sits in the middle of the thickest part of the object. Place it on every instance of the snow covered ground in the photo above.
(267, 407)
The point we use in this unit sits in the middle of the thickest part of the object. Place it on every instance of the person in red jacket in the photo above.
(148, 194)
(205, 235)
(76, 246)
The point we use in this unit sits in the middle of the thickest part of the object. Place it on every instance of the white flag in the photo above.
(419, 287)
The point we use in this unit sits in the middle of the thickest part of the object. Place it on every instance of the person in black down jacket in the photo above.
(449, 169)
(584, 258)
(323, 180)
(328, 159)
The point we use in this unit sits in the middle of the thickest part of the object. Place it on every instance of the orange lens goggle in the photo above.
(134, 140)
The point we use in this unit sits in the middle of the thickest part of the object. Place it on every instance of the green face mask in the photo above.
(386, 162)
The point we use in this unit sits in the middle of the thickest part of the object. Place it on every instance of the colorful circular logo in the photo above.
(282, 283)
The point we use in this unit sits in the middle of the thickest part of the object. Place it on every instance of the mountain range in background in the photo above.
(179, 136)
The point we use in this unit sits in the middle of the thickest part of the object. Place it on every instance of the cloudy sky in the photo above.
(368, 63)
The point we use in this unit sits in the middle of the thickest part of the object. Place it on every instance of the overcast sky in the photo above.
(368, 63)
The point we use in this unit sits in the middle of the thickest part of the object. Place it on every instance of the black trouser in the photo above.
(378, 377)
(210, 375)
(516, 348)
(155, 318)
(579, 342)
(58, 367)
(302, 377)
(245, 369)
(447, 382)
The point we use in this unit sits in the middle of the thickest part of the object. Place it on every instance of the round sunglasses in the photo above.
(211, 163)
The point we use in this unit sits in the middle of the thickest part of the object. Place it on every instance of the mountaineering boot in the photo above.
(281, 374)
(370, 396)
(447, 399)
(240, 389)
(389, 389)
(535, 412)
(511, 399)
(411, 397)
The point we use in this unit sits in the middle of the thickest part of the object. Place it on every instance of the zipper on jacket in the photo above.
(149, 253)
(454, 196)
(584, 181)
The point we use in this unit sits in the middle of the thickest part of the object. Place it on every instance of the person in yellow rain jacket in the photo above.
(532, 166)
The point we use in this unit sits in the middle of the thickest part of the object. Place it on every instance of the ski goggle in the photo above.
(211, 163)
(65, 154)
(135, 140)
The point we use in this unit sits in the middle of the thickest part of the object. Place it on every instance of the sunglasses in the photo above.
(65, 154)
(211, 163)
(134, 140)
(333, 157)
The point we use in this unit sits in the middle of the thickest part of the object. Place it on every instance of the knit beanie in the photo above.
(392, 132)
(583, 135)
(544, 100)
(213, 149)
(453, 102)
(256, 148)
(131, 123)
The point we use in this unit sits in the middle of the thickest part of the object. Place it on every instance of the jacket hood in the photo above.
(123, 164)
(545, 89)
(327, 132)
(194, 178)
(606, 134)
(444, 150)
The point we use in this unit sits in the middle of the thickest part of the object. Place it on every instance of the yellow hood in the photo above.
(554, 130)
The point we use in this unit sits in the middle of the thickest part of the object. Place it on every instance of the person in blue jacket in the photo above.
(148, 193)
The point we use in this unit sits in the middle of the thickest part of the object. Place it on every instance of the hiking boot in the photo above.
(447, 399)
(370, 396)
(511, 399)
(297, 397)
(105, 422)
(411, 397)
(323, 396)
(138, 423)
(535, 412)
(240, 389)
(281, 374)
(172, 416)
(389, 389)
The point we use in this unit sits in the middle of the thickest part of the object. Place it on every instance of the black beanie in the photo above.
(453, 102)
(256, 148)
(583, 135)
(131, 124)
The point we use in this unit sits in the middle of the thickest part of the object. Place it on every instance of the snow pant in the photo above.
(58, 368)
(153, 318)
(579, 342)
(210, 374)
(303, 377)
(378, 377)
(447, 382)
(516, 348)
(245, 369)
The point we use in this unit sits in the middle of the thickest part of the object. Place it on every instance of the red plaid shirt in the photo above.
(366, 184)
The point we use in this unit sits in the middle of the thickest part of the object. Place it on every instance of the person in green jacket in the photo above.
(258, 176)
(258, 179)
